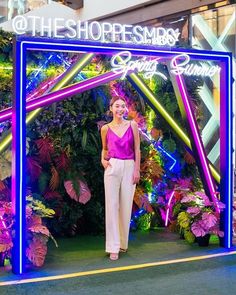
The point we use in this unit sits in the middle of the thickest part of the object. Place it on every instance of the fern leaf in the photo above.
(55, 179)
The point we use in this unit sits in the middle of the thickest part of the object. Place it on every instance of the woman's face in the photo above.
(118, 108)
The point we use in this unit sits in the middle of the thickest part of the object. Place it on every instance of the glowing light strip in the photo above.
(155, 144)
(85, 45)
(230, 154)
(45, 86)
(21, 168)
(38, 70)
(114, 269)
(168, 207)
(63, 93)
(71, 90)
(197, 141)
(173, 159)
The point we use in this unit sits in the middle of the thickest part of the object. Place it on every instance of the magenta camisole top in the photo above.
(120, 147)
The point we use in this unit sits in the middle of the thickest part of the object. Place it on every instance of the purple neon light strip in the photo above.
(168, 207)
(197, 141)
(7, 113)
(63, 93)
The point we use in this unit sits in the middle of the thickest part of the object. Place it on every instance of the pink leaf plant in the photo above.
(6, 221)
(37, 233)
(84, 194)
(200, 215)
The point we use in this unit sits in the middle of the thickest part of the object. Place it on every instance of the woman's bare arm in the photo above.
(104, 162)
(136, 175)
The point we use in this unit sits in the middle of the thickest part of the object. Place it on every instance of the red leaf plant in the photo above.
(36, 252)
(34, 168)
(62, 161)
(5, 241)
(50, 195)
(45, 149)
(5, 227)
(37, 232)
(2, 185)
(34, 224)
(84, 195)
(55, 179)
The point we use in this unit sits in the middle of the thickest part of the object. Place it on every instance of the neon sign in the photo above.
(124, 65)
(103, 32)
(180, 64)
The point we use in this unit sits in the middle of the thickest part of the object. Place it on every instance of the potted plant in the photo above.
(198, 218)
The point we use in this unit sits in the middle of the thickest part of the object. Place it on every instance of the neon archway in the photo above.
(193, 141)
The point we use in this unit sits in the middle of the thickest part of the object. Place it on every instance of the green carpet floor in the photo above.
(83, 253)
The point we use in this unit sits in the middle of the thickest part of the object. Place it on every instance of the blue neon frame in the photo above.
(22, 44)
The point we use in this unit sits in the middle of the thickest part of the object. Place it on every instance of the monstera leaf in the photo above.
(198, 229)
(35, 225)
(84, 195)
(209, 219)
(5, 242)
(36, 252)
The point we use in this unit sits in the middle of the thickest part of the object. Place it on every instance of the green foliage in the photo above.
(43, 181)
(184, 220)
(189, 237)
(39, 208)
(169, 145)
(144, 222)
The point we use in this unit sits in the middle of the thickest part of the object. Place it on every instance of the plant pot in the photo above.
(203, 241)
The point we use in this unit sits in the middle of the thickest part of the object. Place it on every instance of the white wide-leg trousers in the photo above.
(119, 194)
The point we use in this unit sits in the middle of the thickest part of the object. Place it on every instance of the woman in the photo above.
(121, 161)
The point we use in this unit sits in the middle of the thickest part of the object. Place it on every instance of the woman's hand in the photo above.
(136, 176)
(105, 164)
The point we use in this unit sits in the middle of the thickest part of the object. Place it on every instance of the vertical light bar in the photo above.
(226, 152)
(198, 145)
(18, 159)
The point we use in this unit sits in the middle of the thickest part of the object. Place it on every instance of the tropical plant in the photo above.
(37, 234)
(198, 216)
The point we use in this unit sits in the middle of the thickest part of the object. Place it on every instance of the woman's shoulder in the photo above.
(105, 128)
(133, 124)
